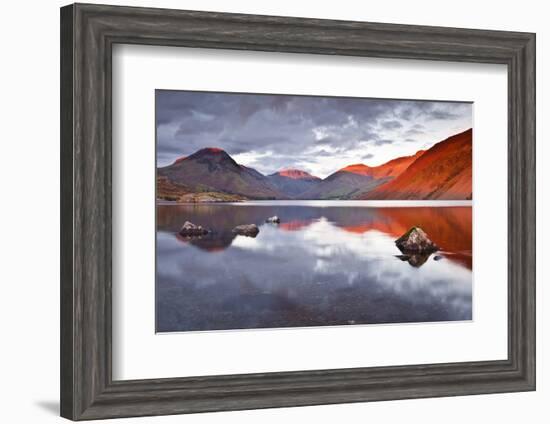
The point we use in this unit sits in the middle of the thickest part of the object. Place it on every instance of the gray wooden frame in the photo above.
(88, 33)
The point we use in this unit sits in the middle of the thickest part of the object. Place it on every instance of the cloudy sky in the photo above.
(317, 134)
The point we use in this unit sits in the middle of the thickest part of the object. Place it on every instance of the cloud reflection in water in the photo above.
(316, 273)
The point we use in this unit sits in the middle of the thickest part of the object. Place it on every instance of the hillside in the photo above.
(342, 185)
(354, 181)
(443, 172)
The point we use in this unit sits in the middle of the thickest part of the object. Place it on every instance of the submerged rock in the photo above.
(190, 230)
(416, 241)
(249, 230)
(415, 260)
(273, 220)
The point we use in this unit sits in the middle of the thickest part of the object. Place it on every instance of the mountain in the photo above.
(293, 182)
(342, 185)
(358, 179)
(443, 172)
(391, 169)
(213, 170)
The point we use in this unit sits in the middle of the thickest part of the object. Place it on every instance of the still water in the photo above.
(326, 263)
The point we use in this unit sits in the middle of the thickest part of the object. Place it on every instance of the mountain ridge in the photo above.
(443, 172)
(355, 180)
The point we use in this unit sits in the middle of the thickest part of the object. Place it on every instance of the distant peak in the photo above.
(295, 174)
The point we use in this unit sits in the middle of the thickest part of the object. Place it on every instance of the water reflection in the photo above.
(416, 260)
(320, 266)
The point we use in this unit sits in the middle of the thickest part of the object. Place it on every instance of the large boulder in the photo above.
(249, 230)
(416, 241)
(191, 230)
(273, 220)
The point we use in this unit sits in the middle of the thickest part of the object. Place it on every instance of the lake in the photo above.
(326, 263)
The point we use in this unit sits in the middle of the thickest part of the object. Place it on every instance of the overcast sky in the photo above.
(316, 134)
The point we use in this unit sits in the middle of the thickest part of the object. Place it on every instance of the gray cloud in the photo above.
(274, 131)
(391, 125)
(412, 131)
(382, 141)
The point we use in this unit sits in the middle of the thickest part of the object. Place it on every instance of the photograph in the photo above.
(277, 211)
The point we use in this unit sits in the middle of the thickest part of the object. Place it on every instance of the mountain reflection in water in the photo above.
(335, 265)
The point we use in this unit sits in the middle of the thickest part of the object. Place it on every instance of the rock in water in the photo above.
(273, 220)
(416, 241)
(189, 229)
(416, 259)
(249, 230)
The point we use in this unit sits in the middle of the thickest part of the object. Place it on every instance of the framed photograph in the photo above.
(265, 211)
